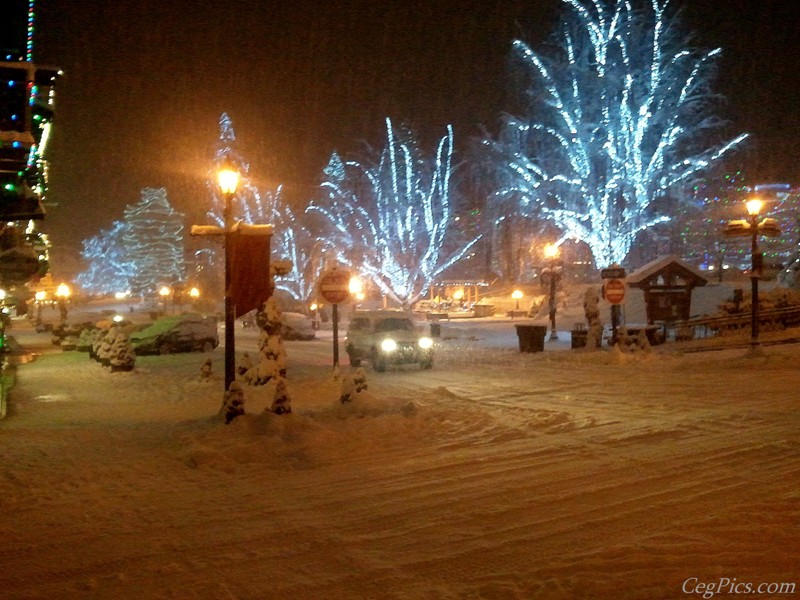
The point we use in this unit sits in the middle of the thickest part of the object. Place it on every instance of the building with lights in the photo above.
(26, 114)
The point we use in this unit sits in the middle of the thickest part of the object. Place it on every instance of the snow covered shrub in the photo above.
(353, 383)
(281, 402)
(85, 340)
(233, 402)
(205, 370)
(106, 343)
(272, 359)
(122, 357)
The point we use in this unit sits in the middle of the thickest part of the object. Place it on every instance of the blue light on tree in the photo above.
(617, 119)
(388, 218)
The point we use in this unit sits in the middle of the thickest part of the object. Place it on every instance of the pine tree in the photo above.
(153, 241)
(109, 267)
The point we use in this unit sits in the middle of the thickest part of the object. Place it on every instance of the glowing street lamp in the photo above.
(164, 292)
(551, 253)
(39, 297)
(194, 293)
(228, 179)
(63, 292)
(517, 295)
(751, 227)
(356, 288)
(754, 206)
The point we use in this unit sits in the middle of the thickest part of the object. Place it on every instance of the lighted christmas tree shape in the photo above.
(153, 241)
(110, 269)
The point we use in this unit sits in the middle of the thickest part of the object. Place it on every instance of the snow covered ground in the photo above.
(496, 475)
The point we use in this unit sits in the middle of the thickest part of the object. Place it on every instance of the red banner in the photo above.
(251, 284)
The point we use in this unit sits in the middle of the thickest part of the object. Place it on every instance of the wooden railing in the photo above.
(772, 319)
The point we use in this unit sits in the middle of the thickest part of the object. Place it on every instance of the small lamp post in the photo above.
(63, 293)
(194, 294)
(752, 228)
(754, 206)
(551, 253)
(356, 288)
(164, 292)
(39, 297)
(228, 179)
(517, 295)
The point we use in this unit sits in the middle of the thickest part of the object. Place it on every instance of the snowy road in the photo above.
(495, 475)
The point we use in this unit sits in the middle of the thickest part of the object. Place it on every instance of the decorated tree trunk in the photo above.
(591, 308)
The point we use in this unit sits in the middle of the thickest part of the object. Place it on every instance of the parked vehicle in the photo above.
(178, 333)
(294, 326)
(386, 337)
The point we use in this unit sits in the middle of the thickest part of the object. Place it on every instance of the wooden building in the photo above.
(667, 284)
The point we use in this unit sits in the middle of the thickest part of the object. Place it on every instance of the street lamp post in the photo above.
(551, 252)
(228, 180)
(753, 228)
(164, 292)
(517, 295)
(63, 293)
(754, 207)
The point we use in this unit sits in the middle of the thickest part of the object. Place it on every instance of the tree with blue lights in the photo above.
(611, 124)
(291, 239)
(153, 242)
(139, 253)
(388, 218)
(109, 268)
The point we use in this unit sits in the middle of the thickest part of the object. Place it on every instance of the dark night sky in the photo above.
(146, 80)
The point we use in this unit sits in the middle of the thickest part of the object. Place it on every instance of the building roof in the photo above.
(664, 264)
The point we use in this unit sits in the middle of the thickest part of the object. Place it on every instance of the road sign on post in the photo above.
(334, 288)
(613, 272)
(614, 291)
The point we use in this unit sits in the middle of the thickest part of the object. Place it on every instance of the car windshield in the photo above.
(395, 325)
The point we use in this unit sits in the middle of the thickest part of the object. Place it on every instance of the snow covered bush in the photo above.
(233, 402)
(281, 401)
(272, 354)
(122, 357)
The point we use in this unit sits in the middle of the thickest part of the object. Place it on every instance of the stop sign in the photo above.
(614, 290)
(333, 286)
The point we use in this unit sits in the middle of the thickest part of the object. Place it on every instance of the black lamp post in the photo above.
(754, 207)
(228, 180)
(551, 252)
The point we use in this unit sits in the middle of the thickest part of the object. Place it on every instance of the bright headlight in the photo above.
(388, 345)
(425, 343)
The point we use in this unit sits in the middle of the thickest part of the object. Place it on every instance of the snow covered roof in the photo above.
(665, 263)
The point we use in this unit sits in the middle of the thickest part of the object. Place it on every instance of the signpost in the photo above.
(333, 287)
(614, 293)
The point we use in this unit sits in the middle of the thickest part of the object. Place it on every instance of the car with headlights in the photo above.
(387, 338)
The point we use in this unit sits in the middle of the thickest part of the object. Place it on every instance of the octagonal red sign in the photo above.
(334, 286)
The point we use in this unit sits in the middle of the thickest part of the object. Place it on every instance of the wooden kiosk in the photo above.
(667, 283)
